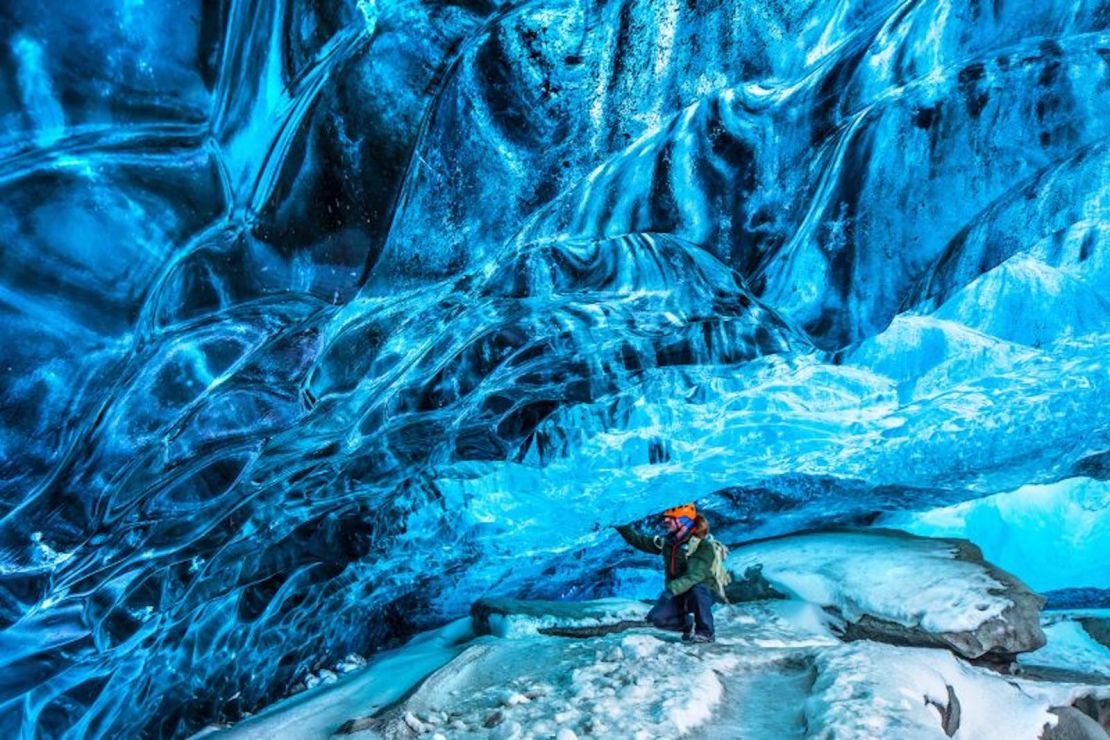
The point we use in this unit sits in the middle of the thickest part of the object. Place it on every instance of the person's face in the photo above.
(671, 524)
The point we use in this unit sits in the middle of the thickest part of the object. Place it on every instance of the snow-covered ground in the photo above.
(776, 671)
(779, 669)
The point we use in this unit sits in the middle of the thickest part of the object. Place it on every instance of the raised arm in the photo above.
(640, 541)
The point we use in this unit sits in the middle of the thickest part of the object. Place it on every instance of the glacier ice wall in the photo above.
(1055, 535)
(322, 319)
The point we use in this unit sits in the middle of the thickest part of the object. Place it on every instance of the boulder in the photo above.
(1095, 707)
(752, 586)
(1073, 725)
(890, 586)
(1098, 628)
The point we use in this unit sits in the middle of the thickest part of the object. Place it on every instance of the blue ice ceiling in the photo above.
(322, 319)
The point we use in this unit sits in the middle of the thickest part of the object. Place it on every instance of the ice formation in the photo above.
(1072, 646)
(1055, 535)
(322, 320)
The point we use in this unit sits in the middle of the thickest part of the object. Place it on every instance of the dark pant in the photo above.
(673, 612)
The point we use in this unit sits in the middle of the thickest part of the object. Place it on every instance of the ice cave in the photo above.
(338, 336)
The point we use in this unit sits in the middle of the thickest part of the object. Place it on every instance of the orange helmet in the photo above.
(685, 510)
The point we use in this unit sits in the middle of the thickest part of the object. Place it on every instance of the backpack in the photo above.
(721, 576)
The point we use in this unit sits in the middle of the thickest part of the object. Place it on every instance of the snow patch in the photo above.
(917, 582)
(867, 690)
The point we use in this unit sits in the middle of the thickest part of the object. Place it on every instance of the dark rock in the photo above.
(995, 642)
(483, 609)
(1016, 630)
(752, 586)
(949, 713)
(1073, 725)
(952, 717)
(1098, 628)
(352, 726)
(582, 632)
(1055, 674)
(1095, 708)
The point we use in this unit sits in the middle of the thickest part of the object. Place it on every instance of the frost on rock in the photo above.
(888, 585)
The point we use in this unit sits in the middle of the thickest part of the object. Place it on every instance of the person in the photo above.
(688, 559)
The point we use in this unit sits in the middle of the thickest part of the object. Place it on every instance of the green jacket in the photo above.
(685, 564)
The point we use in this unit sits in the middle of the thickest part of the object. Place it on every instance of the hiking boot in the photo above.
(688, 636)
(700, 638)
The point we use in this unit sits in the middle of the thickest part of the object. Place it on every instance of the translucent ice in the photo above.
(321, 320)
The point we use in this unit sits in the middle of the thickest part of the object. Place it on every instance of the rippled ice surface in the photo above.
(321, 320)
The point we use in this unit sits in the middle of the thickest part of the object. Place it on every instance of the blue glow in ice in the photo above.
(321, 320)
